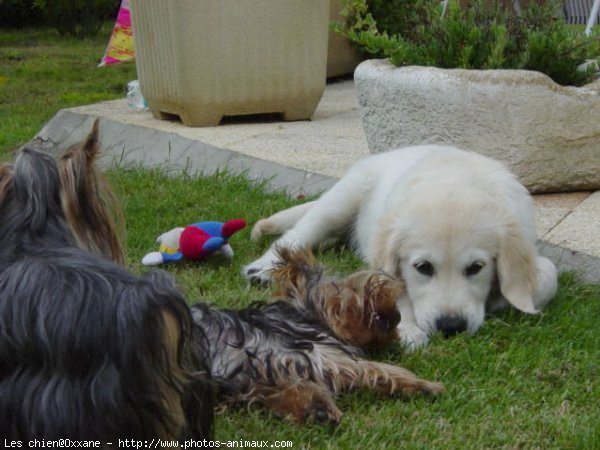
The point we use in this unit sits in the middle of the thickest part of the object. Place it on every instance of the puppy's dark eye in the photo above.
(474, 268)
(424, 268)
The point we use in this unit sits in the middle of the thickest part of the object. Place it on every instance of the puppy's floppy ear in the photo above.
(385, 254)
(517, 269)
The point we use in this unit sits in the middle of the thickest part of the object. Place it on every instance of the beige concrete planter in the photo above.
(548, 134)
(203, 60)
(342, 57)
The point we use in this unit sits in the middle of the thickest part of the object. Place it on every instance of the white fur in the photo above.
(435, 204)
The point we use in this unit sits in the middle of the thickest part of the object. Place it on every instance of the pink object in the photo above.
(120, 46)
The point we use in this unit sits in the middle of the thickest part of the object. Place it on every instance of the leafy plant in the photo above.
(402, 16)
(76, 17)
(482, 35)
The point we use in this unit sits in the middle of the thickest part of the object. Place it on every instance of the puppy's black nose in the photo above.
(451, 325)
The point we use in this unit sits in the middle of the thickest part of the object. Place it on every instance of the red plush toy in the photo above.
(194, 242)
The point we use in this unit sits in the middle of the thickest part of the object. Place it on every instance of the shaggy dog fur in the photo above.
(295, 354)
(456, 226)
(91, 351)
(87, 350)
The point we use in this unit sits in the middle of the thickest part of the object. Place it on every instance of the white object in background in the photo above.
(135, 99)
(593, 17)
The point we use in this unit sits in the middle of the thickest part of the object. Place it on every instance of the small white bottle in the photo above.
(135, 100)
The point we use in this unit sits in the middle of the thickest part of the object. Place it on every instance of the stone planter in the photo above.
(203, 60)
(548, 134)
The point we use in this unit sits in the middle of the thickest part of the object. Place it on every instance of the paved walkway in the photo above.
(302, 157)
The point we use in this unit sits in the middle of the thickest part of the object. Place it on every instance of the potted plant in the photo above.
(484, 78)
(202, 60)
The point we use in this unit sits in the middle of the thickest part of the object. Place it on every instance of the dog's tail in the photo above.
(92, 210)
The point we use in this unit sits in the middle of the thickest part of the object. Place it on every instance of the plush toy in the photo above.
(194, 242)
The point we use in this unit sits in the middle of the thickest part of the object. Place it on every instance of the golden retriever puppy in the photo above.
(458, 227)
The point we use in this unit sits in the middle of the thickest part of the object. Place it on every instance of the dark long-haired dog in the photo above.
(87, 350)
(90, 351)
(295, 354)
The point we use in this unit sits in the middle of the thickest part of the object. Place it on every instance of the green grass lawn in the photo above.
(41, 72)
(521, 382)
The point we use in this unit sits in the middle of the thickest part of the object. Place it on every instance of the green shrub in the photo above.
(481, 36)
(77, 17)
(401, 16)
(18, 13)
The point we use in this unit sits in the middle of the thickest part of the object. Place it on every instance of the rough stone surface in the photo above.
(580, 230)
(128, 145)
(548, 134)
(585, 266)
(568, 223)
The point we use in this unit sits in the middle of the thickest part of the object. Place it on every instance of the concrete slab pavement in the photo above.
(301, 157)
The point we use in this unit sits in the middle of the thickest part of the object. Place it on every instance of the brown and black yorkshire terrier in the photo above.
(295, 354)
(87, 350)
(91, 351)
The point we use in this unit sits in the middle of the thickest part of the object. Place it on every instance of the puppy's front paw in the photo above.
(412, 337)
(259, 271)
(258, 230)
